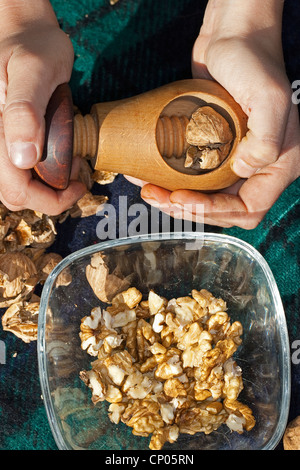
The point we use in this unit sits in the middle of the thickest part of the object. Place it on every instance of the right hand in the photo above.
(35, 57)
(239, 46)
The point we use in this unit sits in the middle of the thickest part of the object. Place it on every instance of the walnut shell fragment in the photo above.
(209, 136)
(18, 278)
(103, 177)
(27, 228)
(291, 438)
(21, 318)
(46, 263)
(88, 205)
(104, 284)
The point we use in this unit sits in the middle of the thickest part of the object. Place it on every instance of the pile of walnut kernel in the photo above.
(166, 366)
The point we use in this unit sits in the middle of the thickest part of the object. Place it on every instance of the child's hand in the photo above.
(35, 57)
(240, 47)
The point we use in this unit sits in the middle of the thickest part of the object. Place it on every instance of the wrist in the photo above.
(238, 18)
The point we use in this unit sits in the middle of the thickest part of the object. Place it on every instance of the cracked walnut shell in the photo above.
(21, 318)
(18, 278)
(209, 136)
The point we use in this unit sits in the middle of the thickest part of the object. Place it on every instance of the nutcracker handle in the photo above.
(55, 165)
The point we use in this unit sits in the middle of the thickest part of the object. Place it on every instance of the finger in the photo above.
(199, 68)
(27, 193)
(30, 86)
(267, 121)
(19, 191)
(160, 198)
(248, 208)
(261, 87)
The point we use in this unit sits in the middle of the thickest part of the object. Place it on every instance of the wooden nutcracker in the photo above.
(143, 136)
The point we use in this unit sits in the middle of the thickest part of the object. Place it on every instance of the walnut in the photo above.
(171, 365)
(218, 322)
(113, 394)
(21, 318)
(96, 338)
(131, 297)
(210, 138)
(199, 419)
(211, 386)
(129, 330)
(115, 411)
(121, 360)
(186, 309)
(192, 355)
(137, 385)
(4, 227)
(174, 388)
(155, 303)
(158, 323)
(162, 435)
(235, 332)
(208, 302)
(242, 410)
(145, 338)
(291, 438)
(143, 416)
(233, 383)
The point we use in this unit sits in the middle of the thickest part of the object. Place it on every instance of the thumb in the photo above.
(268, 116)
(28, 94)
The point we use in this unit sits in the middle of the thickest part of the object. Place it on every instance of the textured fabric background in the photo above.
(120, 51)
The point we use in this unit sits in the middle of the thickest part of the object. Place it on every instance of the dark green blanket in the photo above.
(120, 51)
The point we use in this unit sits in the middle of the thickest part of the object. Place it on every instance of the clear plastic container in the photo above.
(172, 265)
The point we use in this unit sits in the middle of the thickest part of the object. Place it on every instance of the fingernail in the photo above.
(242, 169)
(23, 154)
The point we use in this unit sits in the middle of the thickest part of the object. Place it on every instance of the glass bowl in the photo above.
(172, 265)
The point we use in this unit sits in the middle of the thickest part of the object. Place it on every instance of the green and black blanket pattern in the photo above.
(122, 50)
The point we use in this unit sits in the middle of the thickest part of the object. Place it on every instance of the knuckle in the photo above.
(269, 149)
(11, 207)
(15, 200)
(19, 110)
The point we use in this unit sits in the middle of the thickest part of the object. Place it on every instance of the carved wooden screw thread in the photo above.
(85, 136)
(170, 136)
